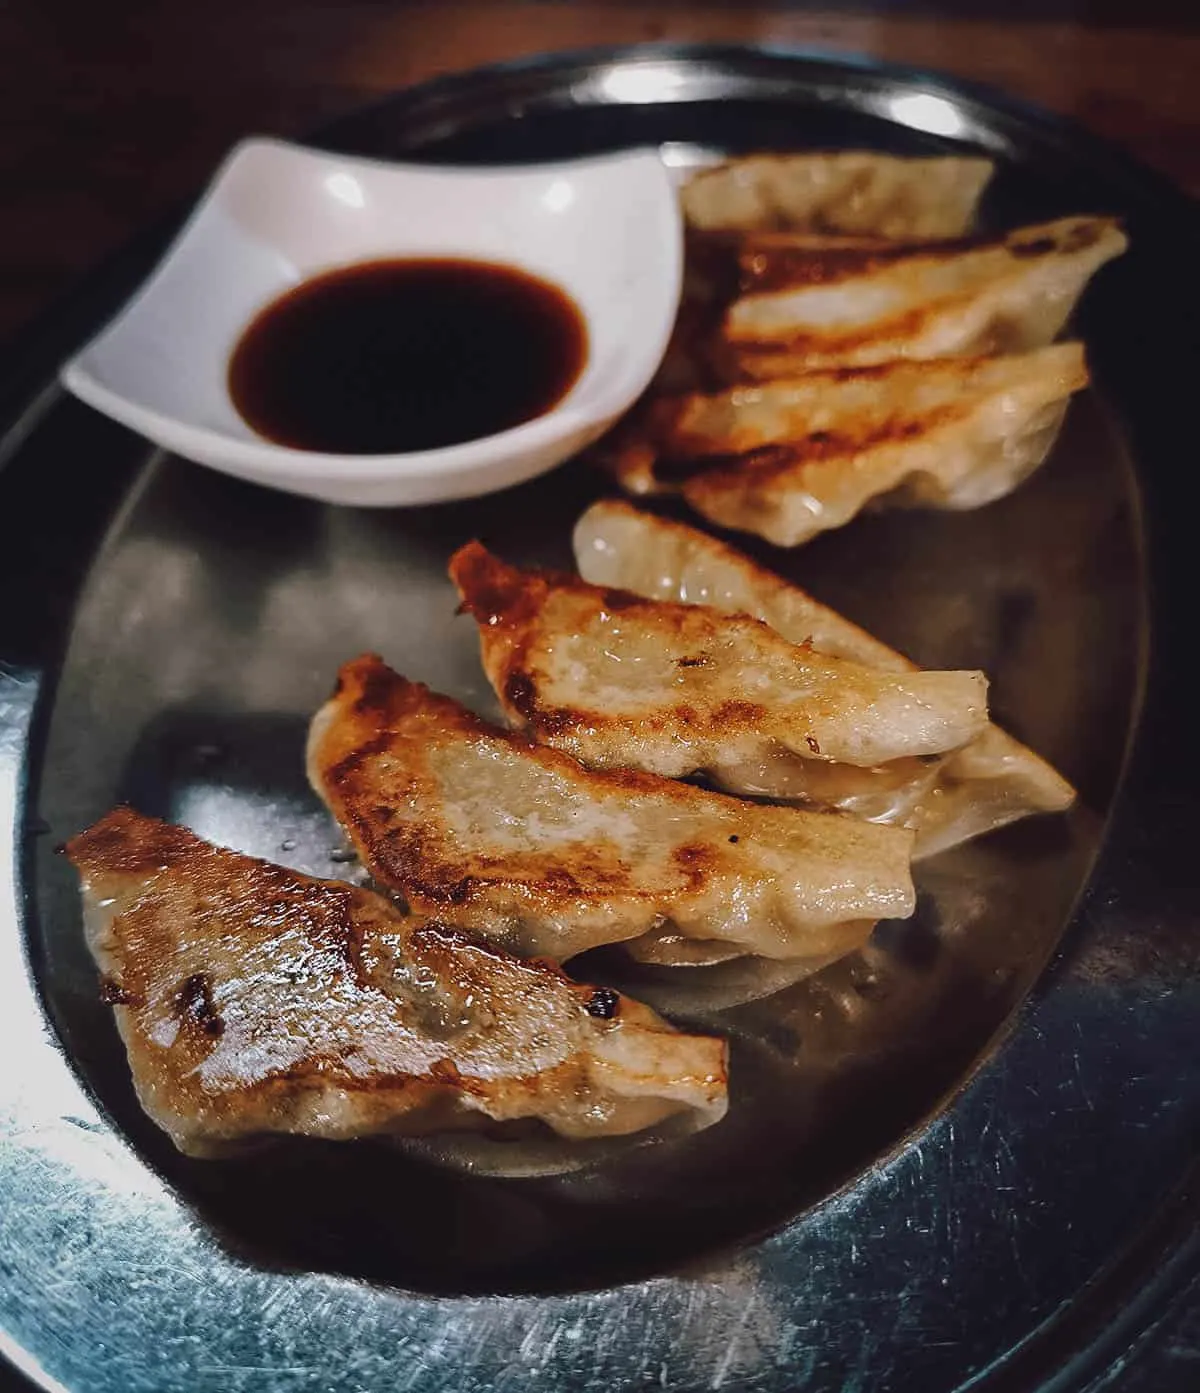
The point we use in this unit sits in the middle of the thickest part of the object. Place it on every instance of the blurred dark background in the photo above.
(113, 113)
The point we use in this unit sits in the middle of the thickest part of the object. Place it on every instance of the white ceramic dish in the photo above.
(607, 230)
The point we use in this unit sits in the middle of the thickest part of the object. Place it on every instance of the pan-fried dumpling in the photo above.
(618, 681)
(254, 1000)
(523, 844)
(992, 781)
(814, 308)
(714, 271)
(720, 266)
(848, 192)
(792, 458)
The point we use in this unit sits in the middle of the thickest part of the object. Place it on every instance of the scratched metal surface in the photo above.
(865, 1219)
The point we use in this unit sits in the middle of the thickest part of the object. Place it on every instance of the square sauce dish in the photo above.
(602, 235)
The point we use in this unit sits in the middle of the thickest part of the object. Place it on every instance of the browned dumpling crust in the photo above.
(620, 681)
(804, 308)
(523, 844)
(792, 458)
(254, 1000)
(991, 781)
(815, 372)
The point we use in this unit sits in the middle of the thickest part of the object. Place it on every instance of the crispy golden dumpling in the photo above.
(718, 267)
(254, 1000)
(696, 358)
(855, 192)
(620, 681)
(523, 844)
(991, 781)
(789, 459)
(809, 308)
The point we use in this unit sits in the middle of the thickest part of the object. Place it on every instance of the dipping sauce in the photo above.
(386, 357)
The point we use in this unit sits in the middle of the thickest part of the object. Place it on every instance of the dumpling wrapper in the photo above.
(789, 459)
(520, 843)
(620, 681)
(990, 782)
(254, 1000)
(718, 267)
(853, 307)
(856, 192)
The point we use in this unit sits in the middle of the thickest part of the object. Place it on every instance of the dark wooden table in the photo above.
(111, 112)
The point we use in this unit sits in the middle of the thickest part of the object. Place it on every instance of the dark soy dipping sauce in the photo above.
(392, 356)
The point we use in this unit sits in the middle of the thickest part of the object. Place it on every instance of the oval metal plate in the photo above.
(931, 1175)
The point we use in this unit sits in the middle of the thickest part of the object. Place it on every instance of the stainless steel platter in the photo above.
(962, 1157)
